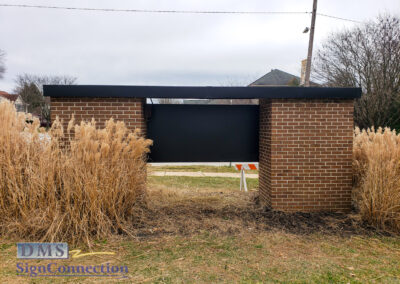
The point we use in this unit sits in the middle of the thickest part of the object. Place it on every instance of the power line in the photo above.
(339, 18)
(169, 11)
(147, 10)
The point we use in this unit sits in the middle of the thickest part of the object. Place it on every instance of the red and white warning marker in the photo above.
(241, 168)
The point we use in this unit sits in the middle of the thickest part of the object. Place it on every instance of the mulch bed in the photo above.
(188, 219)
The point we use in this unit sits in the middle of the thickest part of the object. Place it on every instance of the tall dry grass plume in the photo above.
(89, 191)
(377, 176)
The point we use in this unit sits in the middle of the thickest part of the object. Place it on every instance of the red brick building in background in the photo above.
(15, 99)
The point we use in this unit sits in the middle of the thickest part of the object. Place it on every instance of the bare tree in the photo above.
(367, 56)
(236, 82)
(39, 81)
(30, 89)
(2, 64)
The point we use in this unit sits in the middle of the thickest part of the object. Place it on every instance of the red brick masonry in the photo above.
(306, 154)
(129, 110)
(305, 146)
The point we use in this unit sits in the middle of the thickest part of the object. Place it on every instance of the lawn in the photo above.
(198, 168)
(247, 257)
(202, 182)
(204, 230)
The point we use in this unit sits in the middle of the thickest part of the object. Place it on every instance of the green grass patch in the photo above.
(195, 168)
(201, 182)
(265, 257)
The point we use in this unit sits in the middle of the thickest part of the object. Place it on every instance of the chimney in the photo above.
(303, 72)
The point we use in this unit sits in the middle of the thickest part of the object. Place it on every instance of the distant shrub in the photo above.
(377, 176)
(88, 190)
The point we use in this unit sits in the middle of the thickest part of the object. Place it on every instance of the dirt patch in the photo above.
(191, 216)
(322, 222)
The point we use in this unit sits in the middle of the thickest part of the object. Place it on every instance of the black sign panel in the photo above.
(203, 133)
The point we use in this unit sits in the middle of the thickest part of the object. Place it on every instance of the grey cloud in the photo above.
(128, 48)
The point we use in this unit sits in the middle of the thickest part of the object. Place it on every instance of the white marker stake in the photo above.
(243, 180)
(241, 168)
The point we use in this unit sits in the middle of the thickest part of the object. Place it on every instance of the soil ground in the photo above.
(188, 205)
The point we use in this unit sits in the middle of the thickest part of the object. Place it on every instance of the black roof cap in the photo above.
(104, 91)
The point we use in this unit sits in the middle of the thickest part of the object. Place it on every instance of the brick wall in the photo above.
(265, 152)
(129, 110)
(305, 146)
(306, 154)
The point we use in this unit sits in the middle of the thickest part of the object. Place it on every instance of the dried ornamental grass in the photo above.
(89, 191)
(377, 174)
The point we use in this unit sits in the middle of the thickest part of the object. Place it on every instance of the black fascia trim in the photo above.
(183, 92)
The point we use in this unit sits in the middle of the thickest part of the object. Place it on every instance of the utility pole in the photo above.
(310, 45)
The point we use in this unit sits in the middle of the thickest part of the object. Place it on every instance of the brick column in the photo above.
(306, 154)
(129, 110)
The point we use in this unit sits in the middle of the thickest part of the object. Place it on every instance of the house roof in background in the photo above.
(275, 78)
(8, 96)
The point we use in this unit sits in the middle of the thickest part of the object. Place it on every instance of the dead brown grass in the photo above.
(377, 177)
(94, 188)
(86, 192)
(190, 208)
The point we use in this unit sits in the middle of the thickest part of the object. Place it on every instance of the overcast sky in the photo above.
(168, 49)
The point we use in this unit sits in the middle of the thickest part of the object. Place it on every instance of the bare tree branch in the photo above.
(30, 89)
(366, 56)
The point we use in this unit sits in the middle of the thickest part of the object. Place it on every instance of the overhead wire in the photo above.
(172, 11)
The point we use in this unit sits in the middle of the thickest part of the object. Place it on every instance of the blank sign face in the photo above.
(203, 133)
